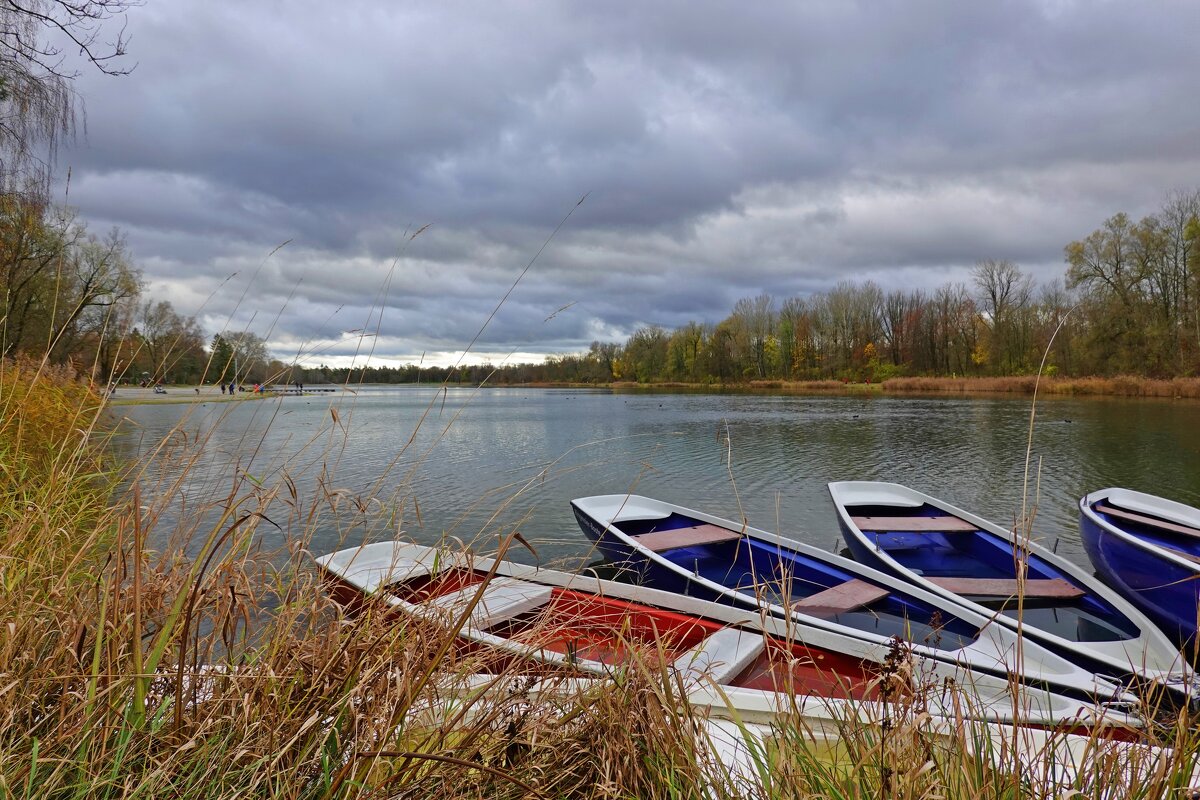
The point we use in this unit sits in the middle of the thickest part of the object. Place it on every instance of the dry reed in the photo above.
(1116, 386)
(214, 668)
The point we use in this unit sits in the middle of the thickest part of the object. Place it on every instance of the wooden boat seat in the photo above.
(704, 533)
(847, 596)
(503, 599)
(1149, 522)
(1007, 587)
(942, 524)
(372, 577)
(721, 656)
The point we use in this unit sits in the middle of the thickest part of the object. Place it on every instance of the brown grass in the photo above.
(1118, 386)
(214, 669)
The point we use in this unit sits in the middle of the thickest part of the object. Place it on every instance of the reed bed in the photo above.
(1116, 386)
(214, 668)
(805, 386)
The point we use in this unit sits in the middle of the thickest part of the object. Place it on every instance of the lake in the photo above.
(476, 463)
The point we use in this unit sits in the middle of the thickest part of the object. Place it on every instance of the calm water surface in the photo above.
(474, 464)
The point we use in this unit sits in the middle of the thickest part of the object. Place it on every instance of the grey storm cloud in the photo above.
(725, 151)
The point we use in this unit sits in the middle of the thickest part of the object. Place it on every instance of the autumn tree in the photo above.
(97, 278)
(249, 359)
(1056, 328)
(1139, 290)
(645, 355)
(31, 249)
(686, 353)
(59, 285)
(1180, 278)
(948, 330)
(603, 355)
(170, 346)
(900, 323)
(848, 320)
(753, 324)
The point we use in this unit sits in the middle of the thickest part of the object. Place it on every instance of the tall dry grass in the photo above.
(130, 673)
(1117, 386)
(213, 668)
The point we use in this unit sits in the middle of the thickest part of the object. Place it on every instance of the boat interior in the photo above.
(790, 579)
(956, 555)
(1182, 539)
(598, 633)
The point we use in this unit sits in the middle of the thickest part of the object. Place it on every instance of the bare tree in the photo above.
(250, 355)
(755, 319)
(1181, 211)
(900, 321)
(95, 277)
(37, 102)
(171, 342)
(1005, 293)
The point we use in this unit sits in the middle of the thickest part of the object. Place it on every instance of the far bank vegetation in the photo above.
(1127, 305)
(1123, 319)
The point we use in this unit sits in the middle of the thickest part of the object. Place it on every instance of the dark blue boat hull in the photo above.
(1167, 592)
(634, 567)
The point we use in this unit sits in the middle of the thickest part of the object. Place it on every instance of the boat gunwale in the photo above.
(992, 697)
(1090, 499)
(1146, 634)
(976, 656)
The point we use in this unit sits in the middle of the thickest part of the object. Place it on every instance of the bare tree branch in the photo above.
(37, 102)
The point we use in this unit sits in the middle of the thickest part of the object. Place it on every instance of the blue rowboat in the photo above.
(726, 659)
(971, 561)
(680, 550)
(1148, 549)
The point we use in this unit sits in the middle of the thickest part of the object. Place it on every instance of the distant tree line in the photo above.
(1129, 304)
(71, 295)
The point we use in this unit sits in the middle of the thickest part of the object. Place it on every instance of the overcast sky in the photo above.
(725, 150)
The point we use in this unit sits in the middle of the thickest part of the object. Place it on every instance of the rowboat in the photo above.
(971, 561)
(729, 661)
(1050, 763)
(680, 550)
(1148, 549)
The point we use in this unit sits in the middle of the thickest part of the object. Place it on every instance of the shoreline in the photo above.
(1122, 386)
(138, 395)
(1022, 385)
(1125, 386)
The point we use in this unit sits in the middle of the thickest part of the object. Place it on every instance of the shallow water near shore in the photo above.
(482, 463)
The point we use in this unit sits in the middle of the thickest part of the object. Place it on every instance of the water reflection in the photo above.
(471, 464)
